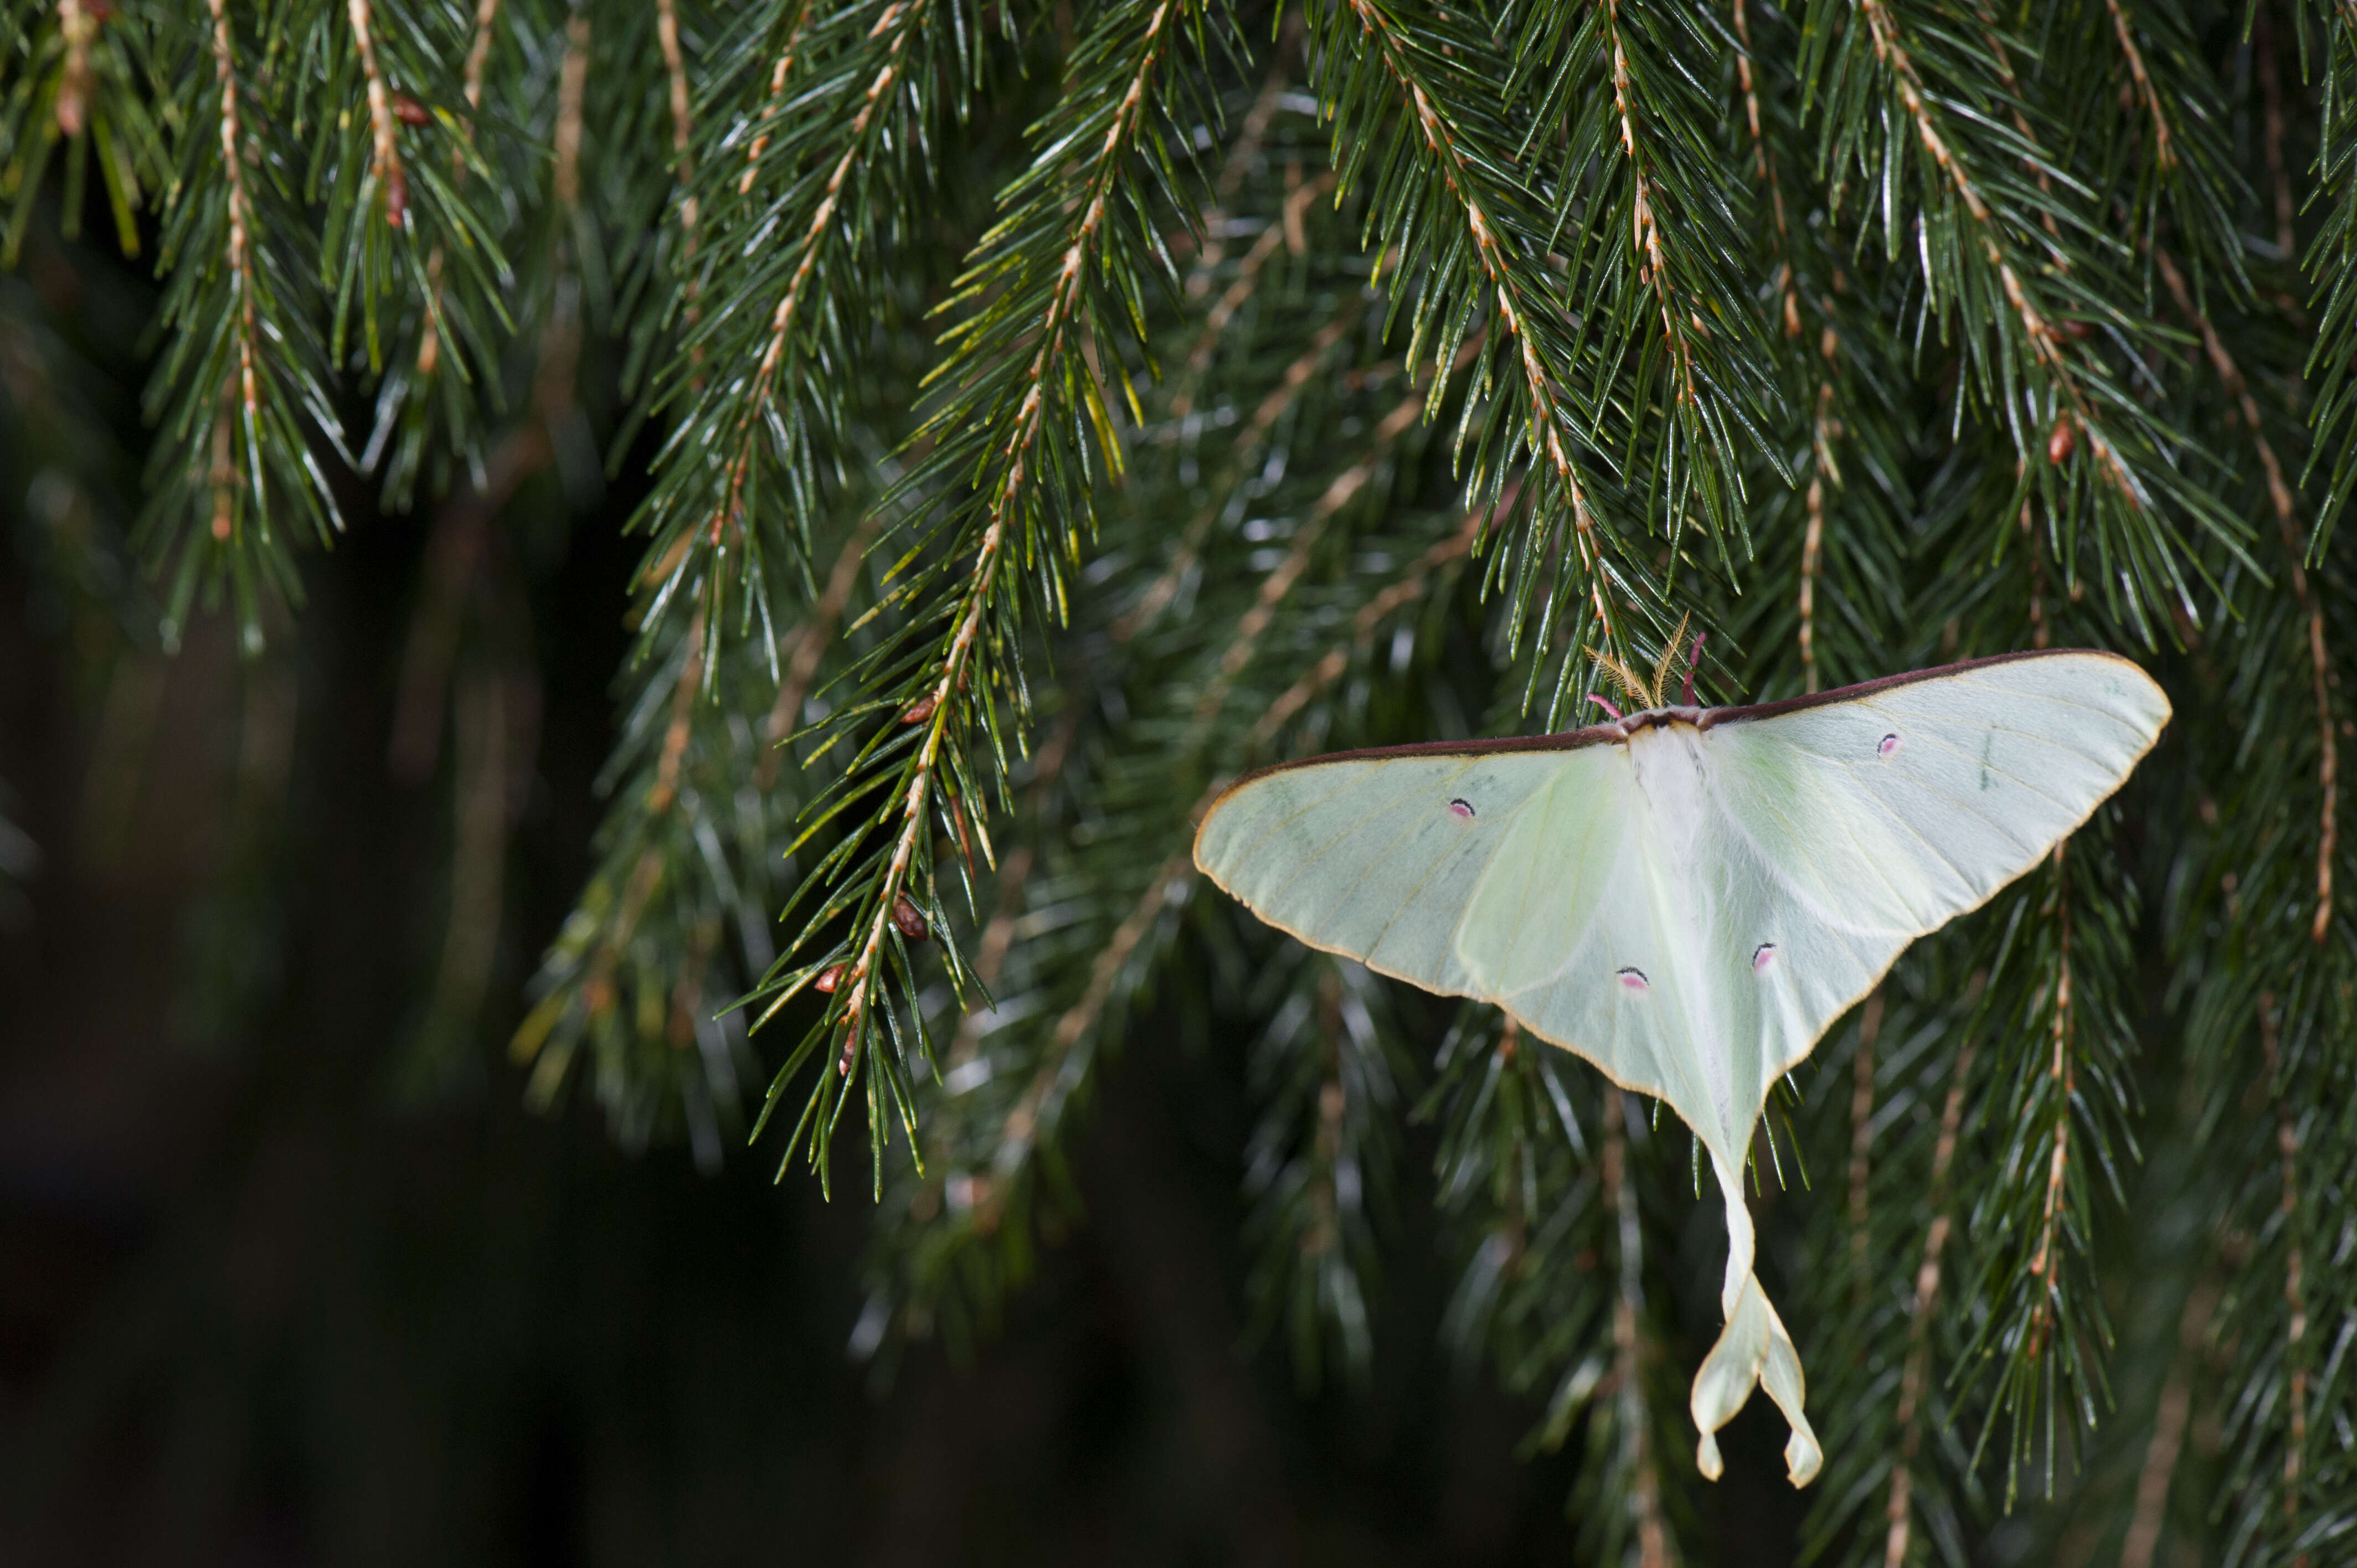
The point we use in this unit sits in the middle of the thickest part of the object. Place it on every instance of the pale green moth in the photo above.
(1688, 896)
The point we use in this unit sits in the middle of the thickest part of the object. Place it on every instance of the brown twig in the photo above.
(1547, 431)
(982, 580)
(241, 220)
(384, 157)
(1861, 1139)
(1821, 442)
(2063, 1073)
(778, 74)
(1916, 1375)
(2044, 341)
(745, 440)
(479, 52)
(1766, 169)
(1646, 230)
(2279, 495)
(2295, 1289)
(2168, 1421)
(1634, 1423)
(571, 83)
(78, 26)
(2163, 152)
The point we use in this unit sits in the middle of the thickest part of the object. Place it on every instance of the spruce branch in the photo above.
(415, 251)
(1914, 1381)
(1633, 1472)
(82, 74)
(2294, 1267)
(2279, 498)
(2033, 352)
(1461, 229)
(754, 454)
(1637, 156)
(242, 391)
(1055, 290)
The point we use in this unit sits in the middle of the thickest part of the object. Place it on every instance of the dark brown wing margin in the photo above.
(1711, 716)
(1568, 740)
(1598, 735)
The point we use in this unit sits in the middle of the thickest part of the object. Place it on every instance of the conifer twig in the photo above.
(1634, 1423)
(781, 72)
(384, 168)
(2295, 1269)
(1515, 308)
(241, 218)
(1915, 1378)
(2164, 153)
(2170, 1415)
(2279, 495)
(2063, 1080)
(1861, 1136)
(1012, 489)
(1765, 168)
(1654, 266)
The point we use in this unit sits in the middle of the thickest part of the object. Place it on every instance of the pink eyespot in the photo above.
(1889, 745)
(1462, 808)
(1634, 979)
(1762, 957)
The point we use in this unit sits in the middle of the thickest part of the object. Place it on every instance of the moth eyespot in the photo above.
(1462, 808)
(1634, 979)
(1762, 956)
(1889, 745)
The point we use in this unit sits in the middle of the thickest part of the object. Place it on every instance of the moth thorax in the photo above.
(1668, 762)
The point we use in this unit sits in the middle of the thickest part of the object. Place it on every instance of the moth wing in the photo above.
(1379, 856)
(1874, 818)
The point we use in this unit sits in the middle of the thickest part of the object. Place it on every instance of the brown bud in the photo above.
(829, 978)
(2061, 440)
(410, 112)
(2077, 331)
(909, 918)
(920, 712)
(396, 198)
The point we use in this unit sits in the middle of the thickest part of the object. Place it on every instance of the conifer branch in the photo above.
(1914, 1381)
(2294, 1268)
(1632, 1419)
(2279, 497)
(2163, 152)
(2064, 1081)
(1861, 1139)
(385, 148)
(2036, 355)
(1436, 128)
(1024, 369)
(683, 152)
(241, 225)
(2171, 1415)
(245, 372)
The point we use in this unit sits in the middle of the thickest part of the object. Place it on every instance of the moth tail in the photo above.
(1753, 1350)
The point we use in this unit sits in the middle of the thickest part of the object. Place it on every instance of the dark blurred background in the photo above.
(267, 1297)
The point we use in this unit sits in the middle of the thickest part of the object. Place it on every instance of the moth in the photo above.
(1688, 896)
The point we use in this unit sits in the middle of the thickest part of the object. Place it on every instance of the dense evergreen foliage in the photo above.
(1046, 413)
